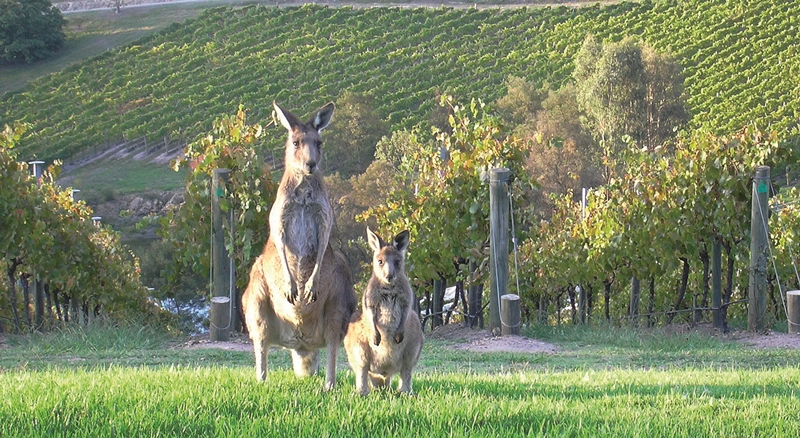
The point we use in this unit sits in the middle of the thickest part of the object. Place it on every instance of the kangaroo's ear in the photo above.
(375, 242)
(323, 117)
(401, 241)
(288, 120)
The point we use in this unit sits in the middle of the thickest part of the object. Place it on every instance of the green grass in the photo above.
(71, 385)
(123, 177)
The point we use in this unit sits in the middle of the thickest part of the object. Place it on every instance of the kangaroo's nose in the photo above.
(311, 165)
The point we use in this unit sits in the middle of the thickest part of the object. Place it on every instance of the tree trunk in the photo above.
(651, 305)
(475, 299)
(461, 290)
(589, 303)
(607, 299)
(26, 293)
(681, 290)
(57, 303)
(572, 306)
(12, 281)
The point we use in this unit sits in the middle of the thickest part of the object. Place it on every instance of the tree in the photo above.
(398, 147)
(521, 102)
(351, 198)
(29, 30)
(627, 89)
(563, 156)
(356, 129)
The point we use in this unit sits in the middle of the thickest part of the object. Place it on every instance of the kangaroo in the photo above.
(300, 295)
(386, 336)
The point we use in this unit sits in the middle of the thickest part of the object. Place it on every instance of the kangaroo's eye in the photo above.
(397, 264)
(296, 144)
(380, 262)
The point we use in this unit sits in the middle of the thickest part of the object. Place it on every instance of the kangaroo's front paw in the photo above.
(291, 295)
(310, 291)
(398, 337)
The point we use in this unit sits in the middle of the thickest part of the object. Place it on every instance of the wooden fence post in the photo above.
(759, 246)
(38, 288)
(221, 262)
(793, 311)
(220, 317)
(511, 314)
(499, 217)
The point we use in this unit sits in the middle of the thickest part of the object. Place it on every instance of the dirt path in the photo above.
(482, 341)
(98, 5)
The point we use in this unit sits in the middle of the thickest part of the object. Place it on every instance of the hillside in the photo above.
(741, 61)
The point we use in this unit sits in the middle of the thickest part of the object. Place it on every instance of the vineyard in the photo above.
(740, 58)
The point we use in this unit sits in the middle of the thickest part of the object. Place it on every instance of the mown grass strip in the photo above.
(220, 401)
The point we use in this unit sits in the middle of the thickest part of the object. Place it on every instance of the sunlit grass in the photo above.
(133, 381)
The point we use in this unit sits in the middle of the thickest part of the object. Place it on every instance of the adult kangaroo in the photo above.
(300, 294)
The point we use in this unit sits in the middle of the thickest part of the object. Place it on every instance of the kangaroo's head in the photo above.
(388, 259)
(304, 143)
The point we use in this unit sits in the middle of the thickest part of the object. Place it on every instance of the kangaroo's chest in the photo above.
(302, 220)
(390, 305)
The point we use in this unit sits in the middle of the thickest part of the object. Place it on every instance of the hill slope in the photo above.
(741, 61)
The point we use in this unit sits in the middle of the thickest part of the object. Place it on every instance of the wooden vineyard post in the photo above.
(220, 317)
(759, 247)
(511, 314)
(793, 311)
(221, 262)
(499, 217)
(36, 282)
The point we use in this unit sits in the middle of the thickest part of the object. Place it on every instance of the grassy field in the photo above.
(92, 33)
(602, 382)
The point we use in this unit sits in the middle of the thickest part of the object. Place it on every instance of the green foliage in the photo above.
(521, 102)
(43, 230)
(235, 145)
(29, 30)
(627, 89)
(736, 57)
(398, 147)
(664, 210)
(351, 198)
(350, 141)
(443, 202)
